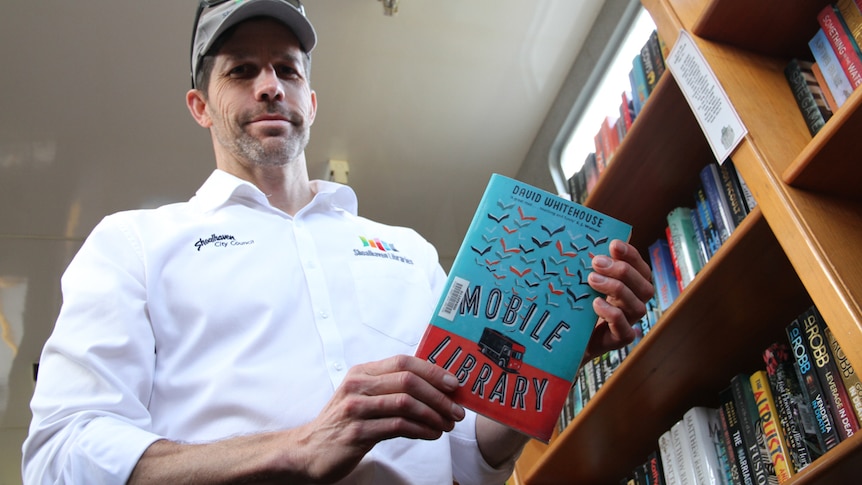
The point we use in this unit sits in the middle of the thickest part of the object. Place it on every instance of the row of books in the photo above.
(769, 424)
(823, 83)
(694, 233)
(692, 236)
(647, 68)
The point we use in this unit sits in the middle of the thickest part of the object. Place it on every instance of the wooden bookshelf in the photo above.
(799, 246)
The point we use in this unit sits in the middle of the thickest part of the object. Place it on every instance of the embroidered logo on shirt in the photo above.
(221, 241)
(379, 249)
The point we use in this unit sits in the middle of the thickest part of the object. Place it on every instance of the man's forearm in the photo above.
(259, 458)
(498, 443)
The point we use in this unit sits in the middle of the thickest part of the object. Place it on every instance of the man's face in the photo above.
(260, 104)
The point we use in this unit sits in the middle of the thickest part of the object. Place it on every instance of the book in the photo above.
(648, 63)
(670, 468)
(837, 81)
(739, 454)
(703, 430)
(802, 92)
(733, 191)
(752, 433)
(827, 435)
(697, 226)
(516, 312)
(852, 16)
(773, 434)
(827, 371)
(657, 56)
(731, 471)
(640, 90)
(683, 244)
(663, 274)
(682, 454)
(824, 88)
(842, 42)
(710, 179)
(851, 379)
(707, 223)
(653, 468)
(794, 413)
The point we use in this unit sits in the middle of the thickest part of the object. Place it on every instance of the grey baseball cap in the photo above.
(216, 17)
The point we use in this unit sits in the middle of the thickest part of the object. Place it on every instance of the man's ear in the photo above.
(313, 113)
(197, 104)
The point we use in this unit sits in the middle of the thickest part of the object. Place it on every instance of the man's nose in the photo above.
(268, 86)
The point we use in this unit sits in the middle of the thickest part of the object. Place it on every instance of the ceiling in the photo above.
(423, 106)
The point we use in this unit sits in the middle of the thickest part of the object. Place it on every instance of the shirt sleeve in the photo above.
(90, 420)
(468, 465)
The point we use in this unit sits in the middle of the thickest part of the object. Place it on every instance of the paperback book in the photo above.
(516, 313)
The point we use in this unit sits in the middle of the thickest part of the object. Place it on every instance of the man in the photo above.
(238, 338)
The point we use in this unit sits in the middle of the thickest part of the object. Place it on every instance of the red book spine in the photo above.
(842, 43)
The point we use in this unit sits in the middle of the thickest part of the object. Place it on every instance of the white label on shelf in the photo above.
(707, 99)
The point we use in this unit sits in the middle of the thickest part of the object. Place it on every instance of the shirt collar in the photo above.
(221, 187)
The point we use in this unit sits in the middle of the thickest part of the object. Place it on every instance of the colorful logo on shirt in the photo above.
(381, 249)
(375, 243)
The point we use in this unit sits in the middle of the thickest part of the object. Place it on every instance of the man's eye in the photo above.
(241, 70)
(286, 71)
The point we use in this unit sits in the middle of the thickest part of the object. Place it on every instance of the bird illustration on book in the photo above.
(530, 283)
(557, 261)
(520, 273)
(490, 239)
(596, 242)
(504, 205)
(480, 252)
(527, 260)
(508, 250)
(549, 301)
(497, 219)
(525, 217)
(525, 250)
(564, 253)
(547, 271)
(554, 290)
(539, 243)
(578, 248)
(564, 281)
(509, 231)
(552, 232)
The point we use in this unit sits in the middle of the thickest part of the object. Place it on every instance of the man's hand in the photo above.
(625, 278)
(399, 396)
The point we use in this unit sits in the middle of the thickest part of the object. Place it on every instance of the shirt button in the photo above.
(337, 366)
(324, 315)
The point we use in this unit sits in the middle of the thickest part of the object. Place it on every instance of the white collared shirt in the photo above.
(223, 316)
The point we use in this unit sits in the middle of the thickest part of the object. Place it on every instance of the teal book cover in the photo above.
(516, 314)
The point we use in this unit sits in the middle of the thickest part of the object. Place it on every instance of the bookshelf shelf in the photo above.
(798, 247)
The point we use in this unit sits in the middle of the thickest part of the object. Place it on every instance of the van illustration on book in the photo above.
(507, 353)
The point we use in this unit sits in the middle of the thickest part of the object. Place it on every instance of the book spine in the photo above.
(755, 447)
(830, 378)
(636, 99)
(700, 241)
(710, 232)
(648, 67)
(842, 43)
(826, 432)
(682, 454)
(795, 417)
(772, 432)
(827, 59)
(703, 429)
(804, 98)
(852, 18)
(668, 458)
(673, 259)
(656, 55)
(653, 469)
(684, 243)
(732, 191)
(745, 475)
(711, 182)
(851, 379)
(640, 89)
(824, 88)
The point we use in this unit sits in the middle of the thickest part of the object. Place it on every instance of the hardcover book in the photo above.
(703, 429)
(516, 312)
(762, 468)
(773, 434)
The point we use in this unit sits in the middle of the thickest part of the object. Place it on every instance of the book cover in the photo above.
(852, 18)
(842, 42)
(710, 180)
(668, 459)
(827, 435)
(653, 469)
(703, 429)
(654, 45)
(664, 277)
(837, 81)
(773, 434)
(830, 378)
(731, 472)
(640, 91)
(516, 312)
(697, 226)
(733, 191)
(682, 454)
(794, 413)
(707, 223)
(683, 244)
(808, 107)
(831, 106)
(752, 433)
(727, 407)
(851, 379)
(650, 75)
